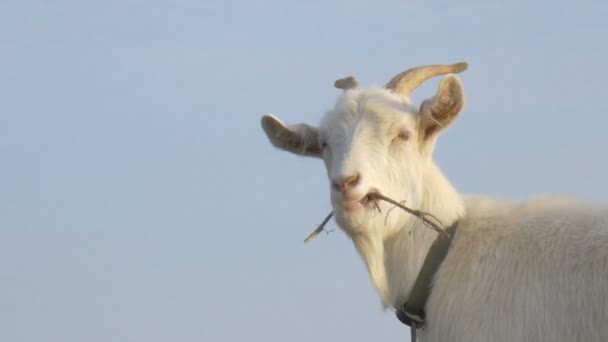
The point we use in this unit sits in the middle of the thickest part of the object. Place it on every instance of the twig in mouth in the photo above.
(320, 228)
(424, 216)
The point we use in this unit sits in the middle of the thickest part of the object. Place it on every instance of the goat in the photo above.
(535, 270)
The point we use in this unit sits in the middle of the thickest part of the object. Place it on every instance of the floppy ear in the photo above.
(440, 111)
(299, 139)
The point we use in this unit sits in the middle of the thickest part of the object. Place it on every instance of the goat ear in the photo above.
(299, 139)
(440, 111)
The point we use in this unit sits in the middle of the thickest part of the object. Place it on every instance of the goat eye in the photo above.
(404, 136)
(323, 145)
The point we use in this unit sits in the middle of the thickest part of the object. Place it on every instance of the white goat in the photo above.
(532, 271)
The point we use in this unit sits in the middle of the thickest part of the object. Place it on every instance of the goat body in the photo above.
(530, 271)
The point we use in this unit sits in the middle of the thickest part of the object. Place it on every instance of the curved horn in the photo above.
(405, 82)
(346, 83)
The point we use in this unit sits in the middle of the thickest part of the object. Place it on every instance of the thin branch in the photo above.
(424, 216)
(427, 219)
(319, 228)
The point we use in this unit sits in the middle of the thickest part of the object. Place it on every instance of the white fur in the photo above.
(531, 271)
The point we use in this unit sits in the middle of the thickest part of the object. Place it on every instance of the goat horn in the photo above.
(346, 83)
(407, 81)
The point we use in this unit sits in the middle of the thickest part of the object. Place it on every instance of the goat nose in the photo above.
(344, 184)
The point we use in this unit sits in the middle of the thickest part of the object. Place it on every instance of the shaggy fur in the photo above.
(531, 271)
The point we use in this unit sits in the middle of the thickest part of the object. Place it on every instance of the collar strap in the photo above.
(412, 312)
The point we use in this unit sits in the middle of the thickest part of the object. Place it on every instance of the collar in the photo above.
(412, 312)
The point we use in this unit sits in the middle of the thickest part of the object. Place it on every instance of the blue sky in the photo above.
(140, 200)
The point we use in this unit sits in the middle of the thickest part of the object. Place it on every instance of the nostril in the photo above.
(351, 181)
(346, 183)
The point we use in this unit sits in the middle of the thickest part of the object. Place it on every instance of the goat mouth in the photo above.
(368, 201)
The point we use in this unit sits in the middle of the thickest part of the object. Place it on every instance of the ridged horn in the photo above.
(406, 82)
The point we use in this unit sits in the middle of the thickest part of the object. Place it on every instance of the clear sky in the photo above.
(140, 200)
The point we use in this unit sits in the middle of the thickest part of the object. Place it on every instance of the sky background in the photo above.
(140, 200)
